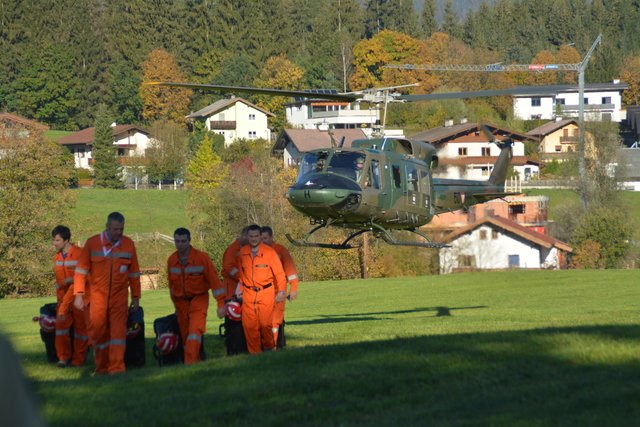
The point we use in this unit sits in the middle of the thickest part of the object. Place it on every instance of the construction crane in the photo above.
(579, 67)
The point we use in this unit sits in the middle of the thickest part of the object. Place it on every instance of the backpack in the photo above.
(233, 334)
(166, 324)
(134, 354)
(282, 340)
(49, 338)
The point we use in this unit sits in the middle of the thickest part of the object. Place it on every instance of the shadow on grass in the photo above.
(553, 376)
(361, 317)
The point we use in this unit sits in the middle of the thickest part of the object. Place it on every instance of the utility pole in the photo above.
(579, 67)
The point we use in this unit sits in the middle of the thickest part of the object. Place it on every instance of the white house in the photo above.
(498, 243)
(465, 152)
(603, 102)
(129, 139)
(307, 113)
(235, 118)
(627, 168)
(293, 143)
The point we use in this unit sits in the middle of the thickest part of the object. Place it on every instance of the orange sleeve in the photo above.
(278, 272)
(134, 274)
(219, 292)
(230, 268)
(65, 305)
(289, 269)
(82, 270)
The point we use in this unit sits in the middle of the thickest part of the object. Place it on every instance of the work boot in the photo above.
(63, 363)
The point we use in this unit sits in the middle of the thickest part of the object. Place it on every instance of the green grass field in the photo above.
(525, 348)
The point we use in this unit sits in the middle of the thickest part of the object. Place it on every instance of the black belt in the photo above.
(257, 288)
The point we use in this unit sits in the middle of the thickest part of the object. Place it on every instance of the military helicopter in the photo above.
(381, 184)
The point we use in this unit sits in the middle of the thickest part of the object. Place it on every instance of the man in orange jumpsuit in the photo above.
(110, 259)
(230, 276)
(260, 272)
(65, 262)
(292, 277)
(191, 275)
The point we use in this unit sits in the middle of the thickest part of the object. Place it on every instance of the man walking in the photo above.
(191, 274)
(110, 259)
(262, 285)
(65, 262)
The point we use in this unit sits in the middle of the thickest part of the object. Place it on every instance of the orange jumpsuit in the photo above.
(292, 278)
(189, 285)
(260, 274)
(113, 269)
(230, 276)
(64, 268)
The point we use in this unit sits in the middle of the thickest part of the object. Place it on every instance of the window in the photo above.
(412, 178)
(468, 261)
(462, 151)
(494, 234)
(486, 151)
(483, 234)
(560, 101)
(121, 152)
(484, 170)
(606, 100)
(516, 209)
(374, 175)
(565, 132)
(536, 101)
(514, 261)
(253, 134)
(252, 116)
(558, 148)
(397, 179)
(221, 117)
(586, 101)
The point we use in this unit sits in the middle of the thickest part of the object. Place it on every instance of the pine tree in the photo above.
(451, 23)
(428, 22)
(106, 169)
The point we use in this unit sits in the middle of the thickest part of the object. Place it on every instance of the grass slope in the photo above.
(525, 348)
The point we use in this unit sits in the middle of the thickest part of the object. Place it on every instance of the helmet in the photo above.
(47, 323)
(133, 330)
(234, 311)
(167, 343)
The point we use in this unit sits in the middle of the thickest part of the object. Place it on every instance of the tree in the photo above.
(125, 99)
(280, 73)
(205, 170)
(167, 153)
(428, 22)
(107, 171)
(450, 22)
(34, 195)
(163, 103)
(630, 74)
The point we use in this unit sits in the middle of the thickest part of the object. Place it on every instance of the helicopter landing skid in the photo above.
(305, 243)
(384, 234)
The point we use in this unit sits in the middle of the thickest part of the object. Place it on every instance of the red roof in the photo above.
(512, 227)
(23, 121)
(86, 136)
(310, 139)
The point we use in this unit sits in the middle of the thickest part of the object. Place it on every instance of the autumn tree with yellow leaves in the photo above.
(162, 102)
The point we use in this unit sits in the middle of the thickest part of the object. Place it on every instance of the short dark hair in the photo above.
(115, 216)
(182, 232)
(266, 229)
(63, 231)
(253, 227)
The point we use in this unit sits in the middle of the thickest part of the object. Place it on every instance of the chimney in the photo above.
(448, 123)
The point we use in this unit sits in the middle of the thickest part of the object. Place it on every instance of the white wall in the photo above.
(523, 110)
(450, 149)
(489, 253)
(240, 113)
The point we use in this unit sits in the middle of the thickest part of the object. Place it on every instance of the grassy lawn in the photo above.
(145, 211)
(55, 135)
(526, 348)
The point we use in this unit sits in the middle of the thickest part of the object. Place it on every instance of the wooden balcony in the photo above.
(222, 125)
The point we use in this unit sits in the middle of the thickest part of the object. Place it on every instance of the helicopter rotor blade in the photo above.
(348, 97)
(479, 94)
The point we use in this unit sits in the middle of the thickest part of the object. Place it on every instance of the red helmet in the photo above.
(133, 330)
(47, 323)
(234, 311)
(167, 343)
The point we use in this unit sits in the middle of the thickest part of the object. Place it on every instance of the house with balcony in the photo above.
(309, 113)
(129, 140)
(235, 118)
(602, 102)
(465, 152)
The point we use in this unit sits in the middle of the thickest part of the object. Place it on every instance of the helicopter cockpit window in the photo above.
(412, 178)
(312, 162)
(397, 179)
(350, 165)
(374, 174)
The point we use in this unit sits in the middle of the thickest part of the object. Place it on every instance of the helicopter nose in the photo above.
(328, 193)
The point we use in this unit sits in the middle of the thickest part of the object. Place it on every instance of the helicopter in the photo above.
(381, 184)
